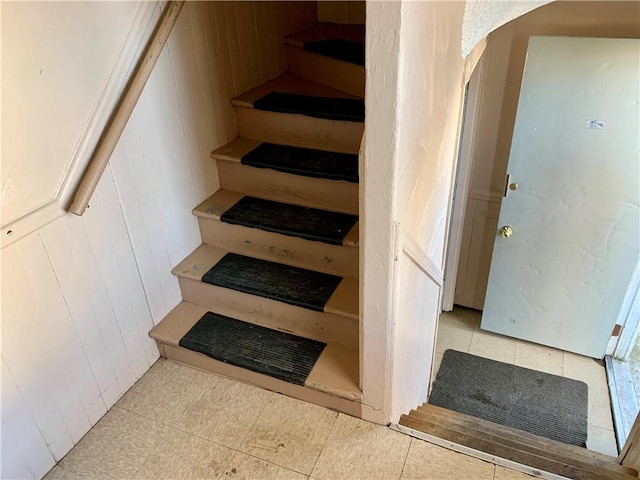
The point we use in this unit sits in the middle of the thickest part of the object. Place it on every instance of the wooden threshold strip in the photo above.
(525, 452)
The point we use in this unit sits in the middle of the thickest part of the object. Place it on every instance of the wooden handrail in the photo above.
(114, 129)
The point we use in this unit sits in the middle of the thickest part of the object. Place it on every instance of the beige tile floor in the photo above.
(460, 330)
(177, 422)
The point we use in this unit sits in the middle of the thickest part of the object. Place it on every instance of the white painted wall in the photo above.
(430, 103)
(481, 17)
(410, 150)
(80, 294)
(506, 54)
(377, 207)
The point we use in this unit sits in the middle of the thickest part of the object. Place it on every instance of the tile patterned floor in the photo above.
(177, 422)
(460, 330)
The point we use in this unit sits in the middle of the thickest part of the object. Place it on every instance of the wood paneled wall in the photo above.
(80, 294)
(345, 11)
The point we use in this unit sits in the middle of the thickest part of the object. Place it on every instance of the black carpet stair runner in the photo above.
(284, 283)
(278, 354)
(344, 109)
(292, 220)
(338, 48)
(539, 403)
(304, 161)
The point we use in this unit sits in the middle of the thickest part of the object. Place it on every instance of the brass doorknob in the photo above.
(506, 231)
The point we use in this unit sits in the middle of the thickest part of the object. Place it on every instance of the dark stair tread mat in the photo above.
(304, 161)
(536, 402)
(293, 220)
(329, 108)
(338, 48)
(277, 354)
(284, 283)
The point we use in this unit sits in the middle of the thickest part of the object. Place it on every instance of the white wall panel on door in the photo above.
(506, 52)
(561, 277)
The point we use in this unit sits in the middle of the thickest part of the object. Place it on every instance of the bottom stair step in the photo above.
(331, 379)
(278, 354)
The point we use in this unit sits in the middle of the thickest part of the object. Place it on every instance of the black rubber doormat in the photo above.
(270, 352)
(345, 109)
(338, 48)
(304, 161)
(292, 285)
(539, 403)
(292, 220)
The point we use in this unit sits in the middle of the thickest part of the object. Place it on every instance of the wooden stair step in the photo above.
(332, 381)
(342, 75)
(288, 83)
(313, 224)
(334, 322)
(271, 352)
(326, 31)
(306, 162)
(293, 220)
(328, 108)
(267, 243)
(289, 128)
(508, 443)
(292, 177)
(339, 49)
(293, 285)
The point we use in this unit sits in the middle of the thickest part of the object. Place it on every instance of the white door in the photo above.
(560, 278)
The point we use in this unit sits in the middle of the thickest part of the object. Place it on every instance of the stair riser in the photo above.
(325, 70)
(299, 130)
(326, 327)
(202, 362)
(339, 196)
(280, 248)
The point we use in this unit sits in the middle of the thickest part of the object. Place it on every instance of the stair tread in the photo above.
(325, 31)
(326, 108)
(293, 285)
(271, 352)
(338, 49)
(283, 218)
(288, 83)
(335, 371)
(235, 149)
(293, 160)
(523, 447)
(343, 300)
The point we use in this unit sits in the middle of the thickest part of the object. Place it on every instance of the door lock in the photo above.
(506, 231)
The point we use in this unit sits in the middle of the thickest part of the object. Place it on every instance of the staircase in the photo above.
(271, 297)
(539, 453)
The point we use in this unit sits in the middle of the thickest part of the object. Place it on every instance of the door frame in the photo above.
(630, 323)
(462, 180)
